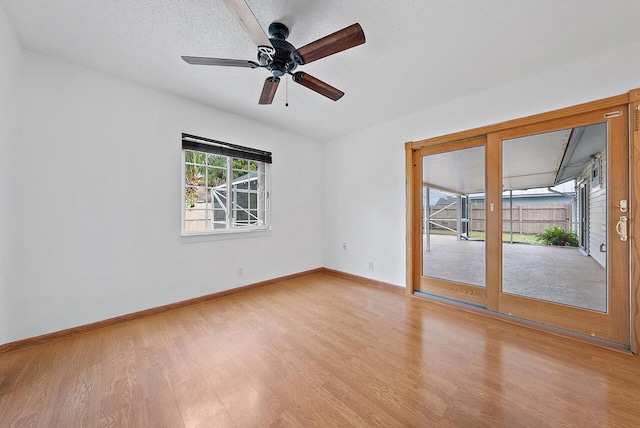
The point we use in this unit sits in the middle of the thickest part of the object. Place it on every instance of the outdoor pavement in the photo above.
(557, 274)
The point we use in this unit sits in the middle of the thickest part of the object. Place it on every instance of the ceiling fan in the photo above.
(281, 57)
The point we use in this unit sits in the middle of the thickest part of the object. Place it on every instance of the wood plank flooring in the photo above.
(318, 350)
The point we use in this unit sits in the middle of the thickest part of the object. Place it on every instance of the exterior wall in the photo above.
(598, 212)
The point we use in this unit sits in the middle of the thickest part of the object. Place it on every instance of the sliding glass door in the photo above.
(530, 222)
(564, 252)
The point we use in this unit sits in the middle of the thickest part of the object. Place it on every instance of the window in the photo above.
(595, 172)
(226, 187)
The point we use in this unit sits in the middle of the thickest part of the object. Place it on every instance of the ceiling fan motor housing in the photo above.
(281, 62)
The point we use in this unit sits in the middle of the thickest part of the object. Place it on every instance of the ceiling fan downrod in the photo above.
(281, 62)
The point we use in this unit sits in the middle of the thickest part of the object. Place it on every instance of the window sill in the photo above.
(224, 234)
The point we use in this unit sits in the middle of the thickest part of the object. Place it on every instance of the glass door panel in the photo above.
(541, 255)
(453, 227)
(562, 262)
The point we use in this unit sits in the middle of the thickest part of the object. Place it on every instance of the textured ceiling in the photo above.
(418, 53)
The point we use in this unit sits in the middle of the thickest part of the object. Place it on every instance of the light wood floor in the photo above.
(318, 351)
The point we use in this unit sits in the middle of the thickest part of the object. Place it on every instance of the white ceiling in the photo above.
(418, 54)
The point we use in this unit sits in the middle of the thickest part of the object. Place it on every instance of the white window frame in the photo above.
(231, 226)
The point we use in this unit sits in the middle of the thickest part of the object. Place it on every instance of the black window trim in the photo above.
(215, 147)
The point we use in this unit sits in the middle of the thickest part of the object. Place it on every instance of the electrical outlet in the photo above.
(370, 265)
(240, 272)
(344, 246)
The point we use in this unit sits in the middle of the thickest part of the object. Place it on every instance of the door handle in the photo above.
(621, 228)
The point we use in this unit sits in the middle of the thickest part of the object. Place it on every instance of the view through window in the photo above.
(224, 193)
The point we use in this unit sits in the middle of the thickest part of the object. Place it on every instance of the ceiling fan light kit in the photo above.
(281, 57)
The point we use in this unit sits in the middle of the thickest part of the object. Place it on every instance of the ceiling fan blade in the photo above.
(196, 60)
(251, 25)
(333, 43)
(269, 90)
(317, 85)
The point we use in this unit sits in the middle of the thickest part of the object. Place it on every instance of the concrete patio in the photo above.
(557, 274)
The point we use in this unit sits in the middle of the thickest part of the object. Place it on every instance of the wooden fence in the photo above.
(528, 219)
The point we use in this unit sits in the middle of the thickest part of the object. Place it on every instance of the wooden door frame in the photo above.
(413, 188)
(634, 216)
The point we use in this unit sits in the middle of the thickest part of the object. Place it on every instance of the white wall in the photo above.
(9, 169)
(100, 176)
(365, 172)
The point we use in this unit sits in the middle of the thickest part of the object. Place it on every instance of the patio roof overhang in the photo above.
(535, 161)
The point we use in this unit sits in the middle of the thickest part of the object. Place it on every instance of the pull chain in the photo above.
(286, 91)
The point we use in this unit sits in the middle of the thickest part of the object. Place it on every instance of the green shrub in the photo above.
(558, 236)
